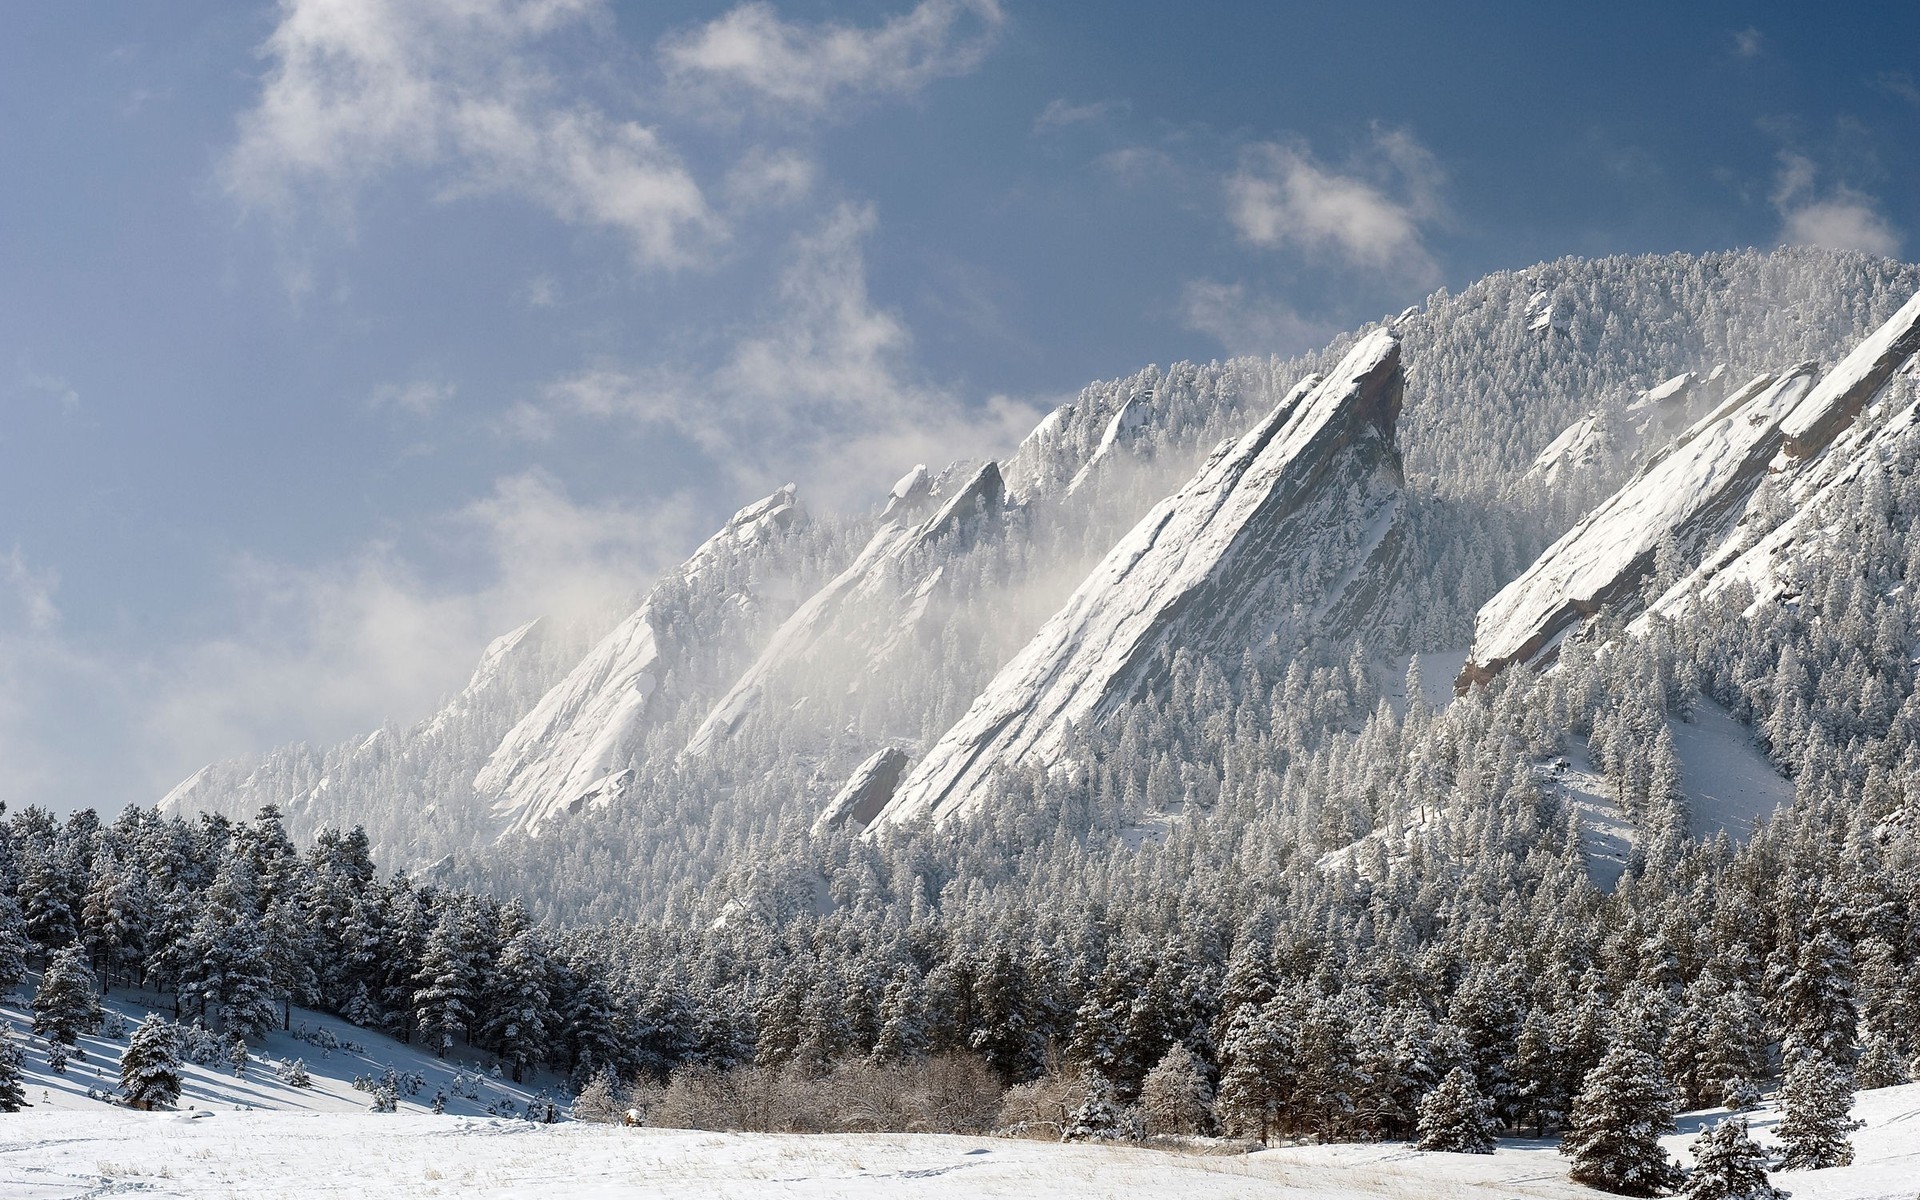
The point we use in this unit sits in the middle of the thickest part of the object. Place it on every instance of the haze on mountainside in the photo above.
(1480, 708)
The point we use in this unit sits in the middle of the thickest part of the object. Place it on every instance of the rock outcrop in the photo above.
(867, 791)
(1291, 525)
(566, 752)
(1690, 496)
(846, 600)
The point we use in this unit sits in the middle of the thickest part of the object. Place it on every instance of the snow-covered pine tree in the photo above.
(1455, 1117)
(150, 1068)
(447, 980)
(1613, 1131)
(521, 1012)
(1729, 1165)
(1251, 1084)
(13, 1093)
(1099, 1117)
(68, 1002)
(14, 946)
(1174, 1097)
(1818, 1099)
(903, 1030)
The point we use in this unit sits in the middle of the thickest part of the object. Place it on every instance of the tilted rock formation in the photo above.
(1291, 525)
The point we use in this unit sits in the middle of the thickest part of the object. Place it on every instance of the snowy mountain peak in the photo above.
(1281, 522)
(841, 610)
(567, 751)
(1682, 495)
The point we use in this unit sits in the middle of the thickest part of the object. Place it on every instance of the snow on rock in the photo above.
(1543, 316)
(1847, 388)
(1685, 493)
(1583, 444)
(1223, 562)
(566, 751)
(1133, 416)
(866, 579)
(911, 490)
(1768, 567)
(1823, 452)
(866, 793)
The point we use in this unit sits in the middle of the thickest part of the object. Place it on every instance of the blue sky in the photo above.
(338, 335)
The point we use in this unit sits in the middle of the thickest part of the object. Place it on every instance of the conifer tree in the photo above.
(1818, 1099)
(1729, 1165)
(1613, 1131)
(446, 982)
(1456, 1117)
(150, 1068)
(1174, 1097)
(1254, 1082)
(68, 1002)
(13, 1094)
(522, 1012)
(14, 946)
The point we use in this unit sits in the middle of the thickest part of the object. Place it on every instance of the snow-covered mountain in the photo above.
(568, 750)
(1293, 525)
(1691, 499)
(1233, 549)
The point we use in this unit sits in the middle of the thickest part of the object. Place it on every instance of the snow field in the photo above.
(64, 1155)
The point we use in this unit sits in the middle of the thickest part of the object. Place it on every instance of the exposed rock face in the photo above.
(1293, 523)
(867, 791)
(1683, 494)
(1691, 493)
(845, 598)
(1847, 388)
(566, 752)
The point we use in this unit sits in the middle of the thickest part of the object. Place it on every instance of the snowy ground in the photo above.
(215, 1086)
(1728, 781)
(64, 1155)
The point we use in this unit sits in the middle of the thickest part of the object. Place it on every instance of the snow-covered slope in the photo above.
(842, 609)
(333, 1051)
(1683, 495)
(1289, 526)
(66, 1156)
(1691, 496)
(566, 751)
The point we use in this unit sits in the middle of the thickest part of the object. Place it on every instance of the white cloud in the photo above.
(1060, 114)
(420, 398)
(1371, 216)
(324, 652)
(1244, 323)
(55, 386)
(33, 590)
(1840, 219)
(822, 390)
(357, 88)
(1749, 43)
(766, 178)
(785, 63)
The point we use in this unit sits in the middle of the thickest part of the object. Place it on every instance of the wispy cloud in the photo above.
(324, 651)
(32, 589)
(1061, 114)
(809, 66)
(823, 389)
(1246, 323)
(1372, 214)
(1838, 218)
(1749, 43)
(357, 88)
(419, 398)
